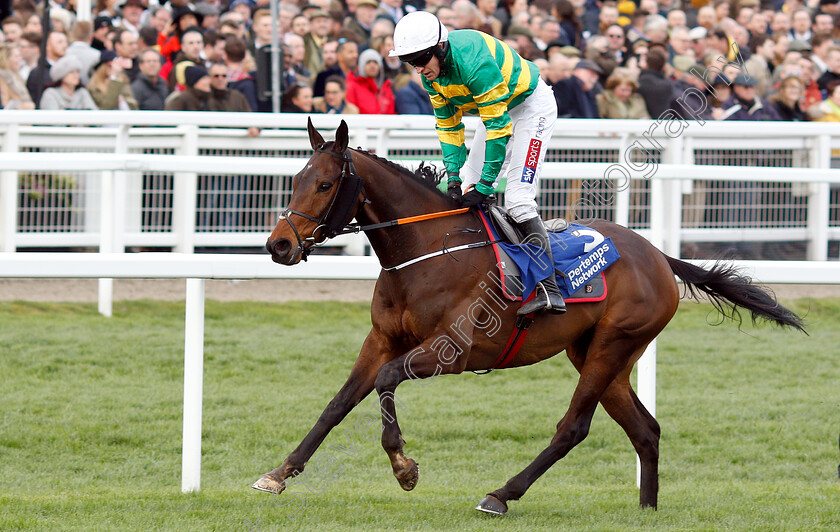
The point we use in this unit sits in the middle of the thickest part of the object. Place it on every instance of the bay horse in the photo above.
(426, 319)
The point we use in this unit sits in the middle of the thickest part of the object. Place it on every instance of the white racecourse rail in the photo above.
(197, 268)
(710, 182)
(114, 179)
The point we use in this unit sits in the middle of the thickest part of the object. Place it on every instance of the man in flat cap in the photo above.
(362, 22)
(744, 104)
(575, 96)
(314, 40)
(132, 12)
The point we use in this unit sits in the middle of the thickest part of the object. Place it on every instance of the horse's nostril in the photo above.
(279, 248)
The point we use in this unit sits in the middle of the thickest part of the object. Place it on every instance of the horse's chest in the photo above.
(407, 323)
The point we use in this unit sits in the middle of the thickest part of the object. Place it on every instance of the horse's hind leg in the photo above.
(608, 355)
(622, 404)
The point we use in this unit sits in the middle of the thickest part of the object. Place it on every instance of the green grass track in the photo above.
(90, 428)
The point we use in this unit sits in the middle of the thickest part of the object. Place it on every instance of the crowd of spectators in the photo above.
(695, 59)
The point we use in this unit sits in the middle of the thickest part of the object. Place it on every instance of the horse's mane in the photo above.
(427, 175)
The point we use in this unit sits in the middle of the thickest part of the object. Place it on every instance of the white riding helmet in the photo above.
(417, 31)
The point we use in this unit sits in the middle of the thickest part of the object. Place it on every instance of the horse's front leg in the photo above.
(358, 386)
(440, 355)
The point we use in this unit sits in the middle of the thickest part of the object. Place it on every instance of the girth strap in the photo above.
(514, 343)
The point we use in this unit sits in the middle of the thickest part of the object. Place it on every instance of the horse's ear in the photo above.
(342, 138)
(315, 138)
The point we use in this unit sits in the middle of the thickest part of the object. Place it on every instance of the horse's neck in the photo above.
(393, 196)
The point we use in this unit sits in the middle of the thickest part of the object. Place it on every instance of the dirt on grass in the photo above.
(264, 290)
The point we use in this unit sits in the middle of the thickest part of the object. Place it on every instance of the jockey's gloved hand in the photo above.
(473, 198)
(454, 191)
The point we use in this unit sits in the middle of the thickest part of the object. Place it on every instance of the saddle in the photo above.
(508, 230)
(579, 262)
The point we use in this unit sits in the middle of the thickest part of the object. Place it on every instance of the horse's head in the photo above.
(326, 195)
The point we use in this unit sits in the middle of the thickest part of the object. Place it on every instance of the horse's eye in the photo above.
(325, 186)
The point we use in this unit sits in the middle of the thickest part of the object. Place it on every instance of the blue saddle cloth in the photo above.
(579, 252)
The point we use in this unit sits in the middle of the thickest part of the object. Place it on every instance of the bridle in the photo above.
(335, 219)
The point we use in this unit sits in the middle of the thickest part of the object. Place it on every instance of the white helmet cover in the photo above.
(417, 31)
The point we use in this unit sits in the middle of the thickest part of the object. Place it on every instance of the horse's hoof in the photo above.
(268, 484)
(409, 476)
(492, 505)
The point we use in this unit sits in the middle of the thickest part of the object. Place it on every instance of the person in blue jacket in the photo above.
(412, 98)
(575, 96)
(744, 104)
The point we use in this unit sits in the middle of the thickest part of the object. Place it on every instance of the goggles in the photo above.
(419, 59)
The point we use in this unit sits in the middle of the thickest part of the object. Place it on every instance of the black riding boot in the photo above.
(548, 297)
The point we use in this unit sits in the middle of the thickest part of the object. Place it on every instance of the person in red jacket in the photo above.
(169, 40)
(368, 89)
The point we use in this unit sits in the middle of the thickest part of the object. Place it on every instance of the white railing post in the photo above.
(112, 219)
(9, 192)
(356, 244)
(106, 238)
(382, 142)
(185, 195)
(119, 192)
(83, 10)
(693, 192)
(657, 213)
(646, 389)
(134, 183)
(672, 196)
(819, 197)
(359, 138)
(622, 188)
(193, 386)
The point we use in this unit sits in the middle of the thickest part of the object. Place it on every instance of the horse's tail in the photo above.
(727, 289)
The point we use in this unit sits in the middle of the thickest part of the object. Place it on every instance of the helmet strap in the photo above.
(440, 53)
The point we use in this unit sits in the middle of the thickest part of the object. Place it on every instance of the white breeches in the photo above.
(533, 122)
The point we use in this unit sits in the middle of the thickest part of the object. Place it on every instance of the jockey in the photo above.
(470, 71)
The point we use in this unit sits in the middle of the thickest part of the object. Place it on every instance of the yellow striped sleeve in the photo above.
(493, 111)
(496, 93)
(507, 63)
(506, 131)
(456, 138)
(451, 122)
(524, 80)
(438, 101)
(491, 44)
(451, 91)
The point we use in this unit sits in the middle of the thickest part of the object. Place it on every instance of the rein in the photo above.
(335, 219)
(355, 228)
